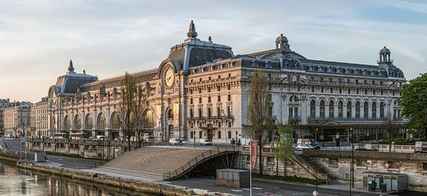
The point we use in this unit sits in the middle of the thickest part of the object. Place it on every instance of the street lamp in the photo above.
(351, 185)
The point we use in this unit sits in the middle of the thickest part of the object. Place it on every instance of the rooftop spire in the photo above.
(192, 30)
(71, 67)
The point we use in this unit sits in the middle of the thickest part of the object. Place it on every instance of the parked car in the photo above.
(307, 147)
(205, 142)
(175, 141)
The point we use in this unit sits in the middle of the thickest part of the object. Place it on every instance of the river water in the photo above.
(17, 182)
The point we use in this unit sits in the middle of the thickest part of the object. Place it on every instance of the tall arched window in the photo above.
(313, 109)
(322, 109)
(349, 110)
(382, 108)
(331, 109)
(374, 110)
(340, 109)
(115, 121)
(149, 119)
(77, 123)
(67, 123)
(357, 110)
(100, 122)
(88, 122)
(366, 110)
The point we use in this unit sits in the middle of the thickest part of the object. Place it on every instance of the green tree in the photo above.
(414, 101)
(260, 112)
(283, 149)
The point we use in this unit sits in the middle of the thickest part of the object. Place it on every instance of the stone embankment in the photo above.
(134, 185)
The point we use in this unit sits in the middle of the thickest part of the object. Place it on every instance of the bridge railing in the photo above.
(191, 163)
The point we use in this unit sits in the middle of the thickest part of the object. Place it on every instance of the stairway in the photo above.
(313, 167)
(150, 163)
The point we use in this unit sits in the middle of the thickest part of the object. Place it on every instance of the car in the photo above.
(307, 147)
(175, 141)
(205, 142)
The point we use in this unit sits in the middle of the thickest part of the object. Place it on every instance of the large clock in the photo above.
(169, 77)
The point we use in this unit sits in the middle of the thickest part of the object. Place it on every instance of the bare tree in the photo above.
(260, 112)
(127, 108)
(139, 110)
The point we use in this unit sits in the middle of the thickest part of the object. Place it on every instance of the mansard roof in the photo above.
(117, 81)
(70, 82)
(198, 52)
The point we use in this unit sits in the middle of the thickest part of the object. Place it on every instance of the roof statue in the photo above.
(282, 42)
(71, 67)
(192, 31)
(385, 50)
(385, 56)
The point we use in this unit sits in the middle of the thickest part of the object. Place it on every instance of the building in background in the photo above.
(39, 119)
(4, 103)
(201, 91)
(16, 119)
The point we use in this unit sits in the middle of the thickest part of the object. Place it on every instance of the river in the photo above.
(17, 182)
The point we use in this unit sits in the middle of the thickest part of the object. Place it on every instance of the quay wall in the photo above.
(134, 185)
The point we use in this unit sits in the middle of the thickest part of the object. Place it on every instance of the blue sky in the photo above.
(110, 37)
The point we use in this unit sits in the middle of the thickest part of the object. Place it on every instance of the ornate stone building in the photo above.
(16, 118)
(39, 119)
(201, 90)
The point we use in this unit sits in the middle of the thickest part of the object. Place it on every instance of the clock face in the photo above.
(169, 77)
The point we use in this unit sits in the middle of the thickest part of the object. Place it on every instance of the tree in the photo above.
(127, 107)
(139, 111)
(283, 149)
(413, 101)
(260, 112)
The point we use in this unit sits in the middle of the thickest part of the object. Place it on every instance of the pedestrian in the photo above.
(315, 193)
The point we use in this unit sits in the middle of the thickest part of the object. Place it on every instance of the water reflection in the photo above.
(18, 182)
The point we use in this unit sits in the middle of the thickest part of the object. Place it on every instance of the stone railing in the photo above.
(368, 155)
(217, 151)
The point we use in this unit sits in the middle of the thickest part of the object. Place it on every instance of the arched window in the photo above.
(170, 114)
(366, 110)
(77, 123)
(149, 119)
(67, 123)
(331, 109)
(374, 110)
(88, 122)
(115, 121)
(322, 109)
(100, 122)
(382, 108)
(349, 110)
(357, 110)
(340, 109)
(313, 109)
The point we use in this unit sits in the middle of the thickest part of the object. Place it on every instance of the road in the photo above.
(265, 188)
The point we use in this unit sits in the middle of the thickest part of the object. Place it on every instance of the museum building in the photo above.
(201, 91)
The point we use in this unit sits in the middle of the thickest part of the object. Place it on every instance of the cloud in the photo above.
(107, 38)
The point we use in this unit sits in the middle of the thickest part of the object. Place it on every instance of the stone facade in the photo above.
(201, 91)
(3, 104)
(16, 118)
(39, 119)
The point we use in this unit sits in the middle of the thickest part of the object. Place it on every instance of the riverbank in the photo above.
(121, 183)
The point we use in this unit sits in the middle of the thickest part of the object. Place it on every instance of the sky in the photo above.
(110, 37)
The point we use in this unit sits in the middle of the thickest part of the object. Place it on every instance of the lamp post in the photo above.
(351, 185)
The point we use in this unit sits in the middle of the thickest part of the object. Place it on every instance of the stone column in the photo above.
(353, 109)
(317, 106)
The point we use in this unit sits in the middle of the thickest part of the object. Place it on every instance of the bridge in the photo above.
(159, 163)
